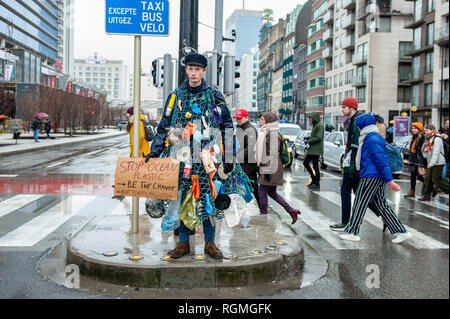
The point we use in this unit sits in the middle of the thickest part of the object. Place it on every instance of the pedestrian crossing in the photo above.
(69, 208)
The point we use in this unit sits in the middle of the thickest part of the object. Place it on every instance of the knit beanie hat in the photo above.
(418, 125)
(130, 111)
(350, 102)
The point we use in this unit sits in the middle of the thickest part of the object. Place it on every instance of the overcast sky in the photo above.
(90, 33)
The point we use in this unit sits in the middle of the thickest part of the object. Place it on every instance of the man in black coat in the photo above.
(247, 136)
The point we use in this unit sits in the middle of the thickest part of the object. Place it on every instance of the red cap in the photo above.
(241, 114)
(350, 102)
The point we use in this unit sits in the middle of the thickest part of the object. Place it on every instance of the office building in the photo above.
(247, 92)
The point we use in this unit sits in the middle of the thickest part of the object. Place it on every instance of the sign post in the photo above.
(137, 18)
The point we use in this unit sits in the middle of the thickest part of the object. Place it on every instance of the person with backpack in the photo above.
(48, 126)
(416, 160)
(247, 136)
(375, 173)
(36, 127)
(314, 145)
(445, 139)
(271, 169)
(434, 152)
(144, 147)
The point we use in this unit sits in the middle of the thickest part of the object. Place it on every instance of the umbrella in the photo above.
(40, 115)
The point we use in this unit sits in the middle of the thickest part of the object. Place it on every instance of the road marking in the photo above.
(418, 241)
(16, 202)
(433, 203)
(431, 217)
(57, 164)
(8, 176)
(40, 227)
(321, 224)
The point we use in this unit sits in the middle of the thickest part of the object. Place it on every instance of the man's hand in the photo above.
(392, 185)
(429, 166)
(149, 156)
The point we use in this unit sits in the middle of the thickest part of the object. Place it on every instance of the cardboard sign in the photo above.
(156, 179)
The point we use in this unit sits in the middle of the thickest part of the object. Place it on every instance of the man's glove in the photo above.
(151, 155)
(306, 139)
(228, 168)
(307, 146)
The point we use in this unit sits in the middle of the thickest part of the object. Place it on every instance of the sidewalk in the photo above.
(26, 142)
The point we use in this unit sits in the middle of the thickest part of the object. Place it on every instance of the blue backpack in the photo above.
(394, 154)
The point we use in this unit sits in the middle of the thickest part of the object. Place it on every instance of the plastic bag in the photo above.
(171, 220)
(236, 210)
(155, 208)
(189, 212)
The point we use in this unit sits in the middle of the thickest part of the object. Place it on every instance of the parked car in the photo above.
(334, 149)
(122, 125)
(290, 132)
(298, 149)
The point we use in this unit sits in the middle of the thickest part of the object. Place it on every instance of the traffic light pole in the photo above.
(136, 123)
(188, 33)
(167, 84)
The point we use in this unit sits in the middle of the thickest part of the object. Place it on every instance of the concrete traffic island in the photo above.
(264, 250)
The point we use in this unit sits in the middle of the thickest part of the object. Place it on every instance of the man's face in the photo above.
(195, 74)
(446, 124)
(346, 110)
(241, 120)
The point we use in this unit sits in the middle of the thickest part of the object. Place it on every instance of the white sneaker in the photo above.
(350, 237)
(401, 237)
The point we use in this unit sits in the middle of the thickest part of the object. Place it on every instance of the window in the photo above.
(255, 66)
(385, 24)
(81, 74)
(404, 94)
(338, 5)
(430, 34)
(361, 95)
(416, 67)
(403, 48)
(255, 58)
(415, 95)
(335, 78)
(417, 38)
(417, 10)
(341, 79)
(430, 7)
(428, 94)
(95, 74)
(429, 62)
(340, 98)
(336, 61)
(341, 59)
(349, 77)
(255, 74)
(334, 99)
(338, 20)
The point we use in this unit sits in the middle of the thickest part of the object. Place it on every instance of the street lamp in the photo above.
(371, 88)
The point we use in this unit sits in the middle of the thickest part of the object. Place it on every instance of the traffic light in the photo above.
(155, 72)
(160, 73)
(230, 74)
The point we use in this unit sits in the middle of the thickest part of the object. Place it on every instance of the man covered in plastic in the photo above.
(197, 129)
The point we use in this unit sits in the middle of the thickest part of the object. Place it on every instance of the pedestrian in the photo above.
(36, 127)
(271, 168)
(247, 136)
(314, 146)
(445, 139)
(415, 159)
(373, 164)
(187, 105)
(433, 151)
(390, 134)
(144, 148)
(380, 124)
(48, 125)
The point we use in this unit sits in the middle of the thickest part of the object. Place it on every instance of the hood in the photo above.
(270, 117)
(365, 120)
(142, 117)
(315, 116)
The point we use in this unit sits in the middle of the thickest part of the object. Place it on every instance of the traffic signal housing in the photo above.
(155, 72)
(230, 74)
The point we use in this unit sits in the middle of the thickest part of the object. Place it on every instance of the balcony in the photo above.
(384, 10)
(359, 80)
(328, 35)
(358, 59)
(441, 35)
(348, 22)
(404, 78)
(348, 4)
(328, 17)
(327, 53)
(348, 42)
(402, 57)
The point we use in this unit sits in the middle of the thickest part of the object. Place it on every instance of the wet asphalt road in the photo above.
(414, 270)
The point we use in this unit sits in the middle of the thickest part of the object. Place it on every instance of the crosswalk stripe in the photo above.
(433, 203)
(418, 241)
(38, 228)
(13, 203)
(321, 224)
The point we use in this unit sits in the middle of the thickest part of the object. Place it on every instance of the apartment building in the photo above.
(429, 55)
(316, 54)
(366, 42)
(107, 75)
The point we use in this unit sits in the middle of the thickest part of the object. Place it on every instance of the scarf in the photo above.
(368, 129)
(413, 145)
(260, 148)
(428, 145)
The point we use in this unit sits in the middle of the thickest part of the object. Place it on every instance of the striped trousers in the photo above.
(373, 191)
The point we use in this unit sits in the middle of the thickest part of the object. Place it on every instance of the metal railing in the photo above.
(359, 80)
(441, 33)
(347, 3)
(348, 41)
(328, 17)
(328, 35)
(348, 21)
(327, 53)
(359, 58)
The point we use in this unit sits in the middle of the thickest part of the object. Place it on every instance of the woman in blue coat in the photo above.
(373, 164)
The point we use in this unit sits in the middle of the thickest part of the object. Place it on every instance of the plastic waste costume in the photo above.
(197, 129)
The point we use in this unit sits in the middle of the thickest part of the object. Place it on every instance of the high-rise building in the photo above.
(246, 24)
(247, 95)
(107, 75)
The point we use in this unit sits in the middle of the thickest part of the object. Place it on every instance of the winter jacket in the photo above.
(158, 144)
(247, 137)
(275, 179)
(417, 157)
(36, 124)
(436, 157)
(317, 136)
(352, 145)
(144, 147)
(374, 160)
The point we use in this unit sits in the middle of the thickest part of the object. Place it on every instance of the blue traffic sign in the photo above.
(137, 17)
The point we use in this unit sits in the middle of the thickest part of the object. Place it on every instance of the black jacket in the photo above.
(158, 144)
(247, 136)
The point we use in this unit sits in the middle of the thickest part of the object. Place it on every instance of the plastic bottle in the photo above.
(187, 169)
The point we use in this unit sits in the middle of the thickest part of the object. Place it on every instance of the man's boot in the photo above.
(212, 250)
(179, 251)
(411, 193)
